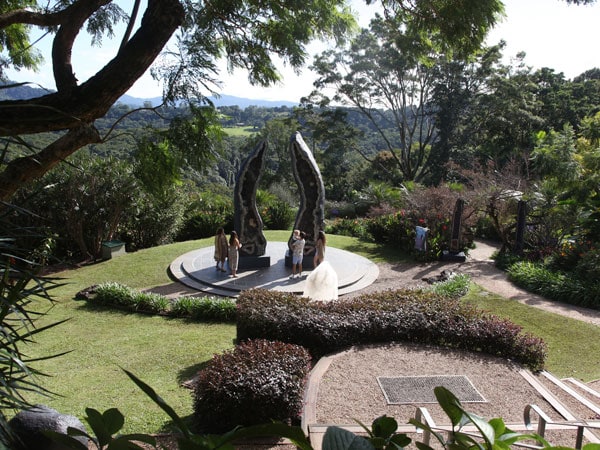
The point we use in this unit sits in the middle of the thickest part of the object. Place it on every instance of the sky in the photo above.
(552, 33)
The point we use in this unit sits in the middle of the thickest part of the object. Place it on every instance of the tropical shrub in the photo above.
(154, 219)
(401, 315)
(24, 299)
(504, 260)
(430, 208)
(82, 203)
(456, 287)
(93, 199)
(207, 213)
(555, 285)
(570, 253)
(348, 227)
(217, 309)
(112, 293)
(344, 210)
(394, 228)
(278, 215)
(256, 382)
(588, 266)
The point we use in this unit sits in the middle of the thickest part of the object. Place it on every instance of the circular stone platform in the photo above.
(196, 269)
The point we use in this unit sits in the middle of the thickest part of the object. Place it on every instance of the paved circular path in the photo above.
(197, 270)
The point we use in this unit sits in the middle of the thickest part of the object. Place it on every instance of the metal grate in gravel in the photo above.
(406, 390)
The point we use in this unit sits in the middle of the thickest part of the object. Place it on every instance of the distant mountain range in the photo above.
(222, 100)
(25, 92)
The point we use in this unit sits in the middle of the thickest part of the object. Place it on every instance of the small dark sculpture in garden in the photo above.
(456, 254)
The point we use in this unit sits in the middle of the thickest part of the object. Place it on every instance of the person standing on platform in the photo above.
(298, 255)
(221, 249)
(233, 254)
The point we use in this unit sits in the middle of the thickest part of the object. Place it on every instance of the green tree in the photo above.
(278, 167)
(390, 87)
(504, 116)
(333, 138)
(566, 165)
(459, 83)
(446, 26)
(14, 41)
(75, 106)
(388, 74)
(84, 202)
(192, 141)
(91, 199)
(566, 101)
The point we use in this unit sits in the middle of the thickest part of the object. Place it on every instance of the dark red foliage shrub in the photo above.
(388, 316)
(256, 382)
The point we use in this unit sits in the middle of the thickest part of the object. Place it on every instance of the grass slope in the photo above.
(573, 346)
(164, 352)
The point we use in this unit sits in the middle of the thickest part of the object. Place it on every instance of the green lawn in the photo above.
(573, 346)
(164, 352)
(242, 131)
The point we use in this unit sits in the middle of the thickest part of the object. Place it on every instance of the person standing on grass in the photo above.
(233, 254)
(298, 255)
(221, 249)
(320, 249)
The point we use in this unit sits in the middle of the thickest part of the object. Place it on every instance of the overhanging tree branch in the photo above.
(23, 170)
(75, 107)
(91, 100)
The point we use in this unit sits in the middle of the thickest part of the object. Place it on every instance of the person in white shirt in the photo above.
(298, 255)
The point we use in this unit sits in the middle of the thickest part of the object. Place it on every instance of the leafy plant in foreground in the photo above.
(493, 434)
(105, 427)
(490, 435)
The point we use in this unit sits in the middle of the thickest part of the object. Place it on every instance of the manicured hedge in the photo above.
(388, 316)
(256, 382)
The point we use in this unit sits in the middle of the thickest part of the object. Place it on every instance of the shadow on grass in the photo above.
(379, 252)
(187, 375)
(170, 431)
(90, 306)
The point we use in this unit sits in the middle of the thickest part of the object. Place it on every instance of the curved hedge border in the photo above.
(401, 315)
